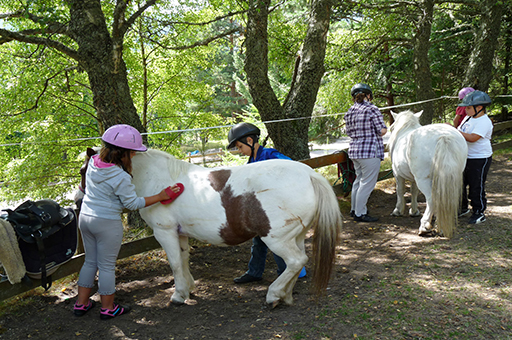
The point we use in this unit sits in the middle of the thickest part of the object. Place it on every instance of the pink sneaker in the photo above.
(106, 314)
(80, 310)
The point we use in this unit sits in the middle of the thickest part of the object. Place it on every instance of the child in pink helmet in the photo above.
(108, 192)
(460, 113)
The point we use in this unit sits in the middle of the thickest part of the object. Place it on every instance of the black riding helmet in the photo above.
(476, 98)
(361, 88)
(240, 131)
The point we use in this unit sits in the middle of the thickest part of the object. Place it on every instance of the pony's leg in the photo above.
(295, 258)
(425, 224)
(400, 201)
(288, 299)
(170, 241)
(414, 211)
(185, 255)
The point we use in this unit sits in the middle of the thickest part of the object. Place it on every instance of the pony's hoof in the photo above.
(396, 212)
(424, 231)
(177, 302)
(275, 303)
(414, 214)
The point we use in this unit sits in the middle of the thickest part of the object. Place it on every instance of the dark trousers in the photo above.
(475, 175)
(258, 258)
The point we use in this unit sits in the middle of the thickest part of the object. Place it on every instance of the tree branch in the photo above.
(70, 103)
(7, 36)
(50, 27)
(137, 14)
(16, 14)
(36, 104)
(219, 18)
(204, 42)
(450, 37)
(118, 22)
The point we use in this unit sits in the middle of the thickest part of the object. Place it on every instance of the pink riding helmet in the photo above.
(124, 136)
(465, 91)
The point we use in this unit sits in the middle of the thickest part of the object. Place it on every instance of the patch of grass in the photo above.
(504, 152)
(196, 145)
(451, 292)
(16, 304)
(299, 335)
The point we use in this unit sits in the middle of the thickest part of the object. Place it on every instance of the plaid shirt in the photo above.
(363, 123)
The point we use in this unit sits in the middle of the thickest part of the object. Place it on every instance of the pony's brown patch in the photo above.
(218, 179)
(245, 217)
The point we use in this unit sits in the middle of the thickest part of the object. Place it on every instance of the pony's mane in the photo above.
(404, 120)
(175, 166)
(83, 154)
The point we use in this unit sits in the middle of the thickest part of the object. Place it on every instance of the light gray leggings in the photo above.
(367, 173)
(102, 240)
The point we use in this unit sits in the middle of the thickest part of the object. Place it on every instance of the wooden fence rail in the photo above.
(8, 290)
(150, 243)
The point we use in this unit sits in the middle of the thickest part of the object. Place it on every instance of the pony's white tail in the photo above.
(447, 169)
(327, 228)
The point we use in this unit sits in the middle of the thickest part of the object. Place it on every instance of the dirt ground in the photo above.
(370, 296)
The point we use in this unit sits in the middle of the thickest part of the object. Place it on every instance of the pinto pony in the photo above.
(278, 200)
(432, 158)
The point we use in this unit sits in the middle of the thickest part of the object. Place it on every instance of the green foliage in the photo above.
(45, 109)
(48, 107)
(371, 42)
(49, 116)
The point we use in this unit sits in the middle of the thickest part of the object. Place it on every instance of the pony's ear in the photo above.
(90, 152)
(394, 115)
(418, 114)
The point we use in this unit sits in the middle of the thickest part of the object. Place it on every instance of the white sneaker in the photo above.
(477, 218)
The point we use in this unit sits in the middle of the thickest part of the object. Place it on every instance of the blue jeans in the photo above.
(258, 258)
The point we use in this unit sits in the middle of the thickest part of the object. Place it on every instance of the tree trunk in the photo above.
(100, 57)
(480, 70)
(291, 137)
(506, 67)
(422, 74)
(390, 98)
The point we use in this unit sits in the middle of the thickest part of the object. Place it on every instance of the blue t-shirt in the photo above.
(267, 153)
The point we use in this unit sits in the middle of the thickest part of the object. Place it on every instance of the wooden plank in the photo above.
(502, 145)
(138, 246)
(7, 290)
(222, 152)
(321, 161)
(338, 189)
(386, 174)
(383, 175)
(502, 126)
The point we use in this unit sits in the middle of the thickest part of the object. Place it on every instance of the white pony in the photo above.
(433, 158)
(278, 200)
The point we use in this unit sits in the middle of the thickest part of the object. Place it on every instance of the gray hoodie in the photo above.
(108, 190)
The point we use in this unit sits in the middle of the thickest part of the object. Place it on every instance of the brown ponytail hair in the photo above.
(360, 97)
(119, 156)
